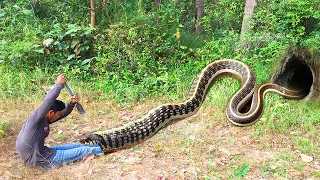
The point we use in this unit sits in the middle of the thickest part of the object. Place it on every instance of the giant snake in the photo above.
(150, 123)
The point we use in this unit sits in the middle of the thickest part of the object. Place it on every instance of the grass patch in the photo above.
(288, 116)
(306, 145)
(3, 128)
(17, 84)
(280, 164)
(316, 174)
(279, 168)
(286, 156)
(299, 166)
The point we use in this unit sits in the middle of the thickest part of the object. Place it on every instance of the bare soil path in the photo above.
(204, 146)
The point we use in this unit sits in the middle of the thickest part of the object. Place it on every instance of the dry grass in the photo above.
(204, 146)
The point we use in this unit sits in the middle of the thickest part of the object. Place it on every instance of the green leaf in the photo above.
(86, 68)
(39, 51)
(74, 43)
(36, 46)
(47, 42)
(60, 36)
(86, 61)
(241, 172)
(70, 57)
(70, 31)
(2, 133)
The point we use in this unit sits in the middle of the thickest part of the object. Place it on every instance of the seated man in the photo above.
(30, 142)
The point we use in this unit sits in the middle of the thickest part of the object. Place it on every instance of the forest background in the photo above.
(130, 52)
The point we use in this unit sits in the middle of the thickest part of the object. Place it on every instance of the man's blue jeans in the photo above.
(72, 152)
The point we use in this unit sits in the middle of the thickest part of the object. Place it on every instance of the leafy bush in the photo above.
(294, 19)
(226, 14)
(68, 47)
(136, 50)
(17, 36)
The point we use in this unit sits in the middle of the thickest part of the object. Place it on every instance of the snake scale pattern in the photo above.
(144, 127)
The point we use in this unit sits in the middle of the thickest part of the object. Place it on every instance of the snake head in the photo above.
(84, 139)
(93, 139)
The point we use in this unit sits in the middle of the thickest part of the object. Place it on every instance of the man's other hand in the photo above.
(74, 99)
(62, 79)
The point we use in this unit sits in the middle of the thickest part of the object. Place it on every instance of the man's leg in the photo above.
(68, 146)
(71, 155)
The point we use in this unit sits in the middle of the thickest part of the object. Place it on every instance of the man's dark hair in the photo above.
(57, 106)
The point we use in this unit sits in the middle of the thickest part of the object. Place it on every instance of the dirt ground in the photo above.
(204, 146)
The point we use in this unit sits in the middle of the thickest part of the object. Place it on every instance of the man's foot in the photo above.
(88, 157)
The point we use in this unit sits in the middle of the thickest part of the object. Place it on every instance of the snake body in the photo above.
(147, 125)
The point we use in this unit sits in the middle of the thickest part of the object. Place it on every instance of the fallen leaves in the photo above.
(306, 158)
(111, 166)
(186, 150)
(5, 165)
(11, 175)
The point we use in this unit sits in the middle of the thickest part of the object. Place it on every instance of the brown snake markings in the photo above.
(147, 125)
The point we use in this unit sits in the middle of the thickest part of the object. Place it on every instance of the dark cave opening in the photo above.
(295, 74)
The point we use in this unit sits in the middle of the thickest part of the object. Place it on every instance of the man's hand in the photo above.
(74, 100)
(61, 79)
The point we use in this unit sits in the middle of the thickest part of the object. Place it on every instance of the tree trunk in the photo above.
(106, 6)
(248, 12)
(200, 12)
(92, 10)
(157, 4)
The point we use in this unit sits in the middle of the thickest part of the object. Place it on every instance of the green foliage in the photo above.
(316, 174)
(135, 50)
(67, 47)
(226, 14)
(17, 84)
(168, 14)
(60, 136)
(312, 41)
(3, 128)
(306, 146)
(56, 11)
(242, 171)
(134, 58)
(294, 19)
(18, 27)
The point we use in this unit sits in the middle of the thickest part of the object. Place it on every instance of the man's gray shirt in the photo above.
(30, 142)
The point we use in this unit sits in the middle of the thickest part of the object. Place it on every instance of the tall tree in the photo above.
(92, 12)
(106, 6)
(200, 13)
(157, 4)
(248, 12)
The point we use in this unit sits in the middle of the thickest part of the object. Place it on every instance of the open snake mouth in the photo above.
(295, 74)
